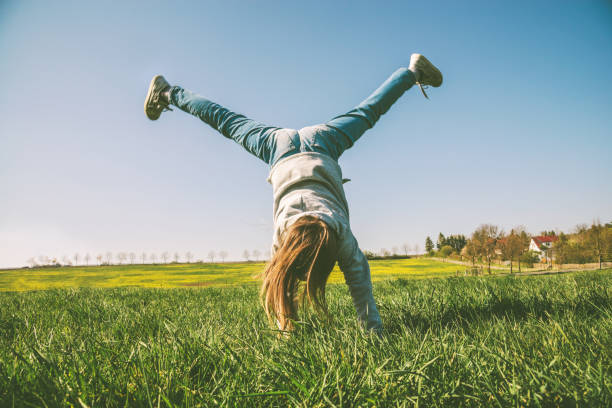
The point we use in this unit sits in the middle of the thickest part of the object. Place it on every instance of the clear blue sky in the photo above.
(519, 133)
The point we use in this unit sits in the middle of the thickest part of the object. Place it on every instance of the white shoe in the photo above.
(426, 73)
(156, 102)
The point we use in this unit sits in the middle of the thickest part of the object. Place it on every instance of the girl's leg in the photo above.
(344, 130)
(257, 138)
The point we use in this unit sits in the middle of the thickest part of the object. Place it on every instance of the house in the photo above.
(541, 244)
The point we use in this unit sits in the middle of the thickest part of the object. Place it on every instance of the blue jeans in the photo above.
(272, 144)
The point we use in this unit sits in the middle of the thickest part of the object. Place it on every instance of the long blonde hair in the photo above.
(308, 253)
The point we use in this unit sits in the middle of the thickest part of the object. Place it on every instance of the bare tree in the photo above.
(246, 255)
(153, 258)
(109, 257)
(188, 256)
(394, 250)
(143, 257)
(99, 258)
(76, 259)
(121, 256)
(256, 254)
(471, 251)
(384, 252)
(485, 239)
(165, 255)
(406, 249)
(176, 257)
(87, 258)
(132, 257)
(223, 255)
(211, 256)
(416, 249)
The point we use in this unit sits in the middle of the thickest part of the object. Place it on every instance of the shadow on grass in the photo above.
(456, 312)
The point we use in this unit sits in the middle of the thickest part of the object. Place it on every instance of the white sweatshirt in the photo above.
(310, 183)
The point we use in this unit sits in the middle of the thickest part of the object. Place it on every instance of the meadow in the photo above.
(176, 275)
(455, 341)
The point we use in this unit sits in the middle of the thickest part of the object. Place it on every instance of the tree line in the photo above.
(488, 243)
(123, 258)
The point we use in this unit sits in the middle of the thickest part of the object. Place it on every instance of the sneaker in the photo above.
(156, 102)
(426, 73)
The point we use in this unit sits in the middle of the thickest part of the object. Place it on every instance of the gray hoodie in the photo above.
(310, 183)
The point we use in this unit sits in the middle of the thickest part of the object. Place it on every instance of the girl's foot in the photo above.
(425, 72)
(157, 99)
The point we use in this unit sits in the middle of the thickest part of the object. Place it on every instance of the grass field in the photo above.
(474, 341)
(195, 275)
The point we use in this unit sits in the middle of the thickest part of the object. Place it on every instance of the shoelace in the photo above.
(159, 103)
(423, 89)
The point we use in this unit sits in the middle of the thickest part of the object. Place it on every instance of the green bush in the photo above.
(529, 258)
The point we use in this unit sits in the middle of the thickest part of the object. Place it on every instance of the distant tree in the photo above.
(256, 254)
(211, 256)
(32, 262)
(223, 255)
(471, 251)
(176, 257)
(406, 249)
(76, 259)
(109, 257)
(66, 261)
(445, 251)
(143, 257)
(394, 250)
(189, 256)
(510, 247)
(416, 249)
(153, 258)
(246, 255)
(457, 242)
(597, 239)
(523, 243)
(165, 255)
(99, 258)
(485, 239)
(441, 241)
(87, 258)
(132, 256)
(122, 256)
(369, 254)
(429, 246)
(529, 258)
(384, 252)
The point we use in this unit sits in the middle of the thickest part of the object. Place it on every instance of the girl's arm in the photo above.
(356, 270)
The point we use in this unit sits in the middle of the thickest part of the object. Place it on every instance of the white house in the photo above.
(541, 244)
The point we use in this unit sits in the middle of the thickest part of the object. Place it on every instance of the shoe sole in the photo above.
(148, 99)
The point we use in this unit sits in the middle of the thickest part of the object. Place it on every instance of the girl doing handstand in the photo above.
(311, 216)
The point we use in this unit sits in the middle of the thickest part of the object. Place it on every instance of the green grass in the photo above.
(194, 275)
(475, 341)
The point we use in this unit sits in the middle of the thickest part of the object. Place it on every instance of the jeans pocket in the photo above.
(319, 138)
(285, 144)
